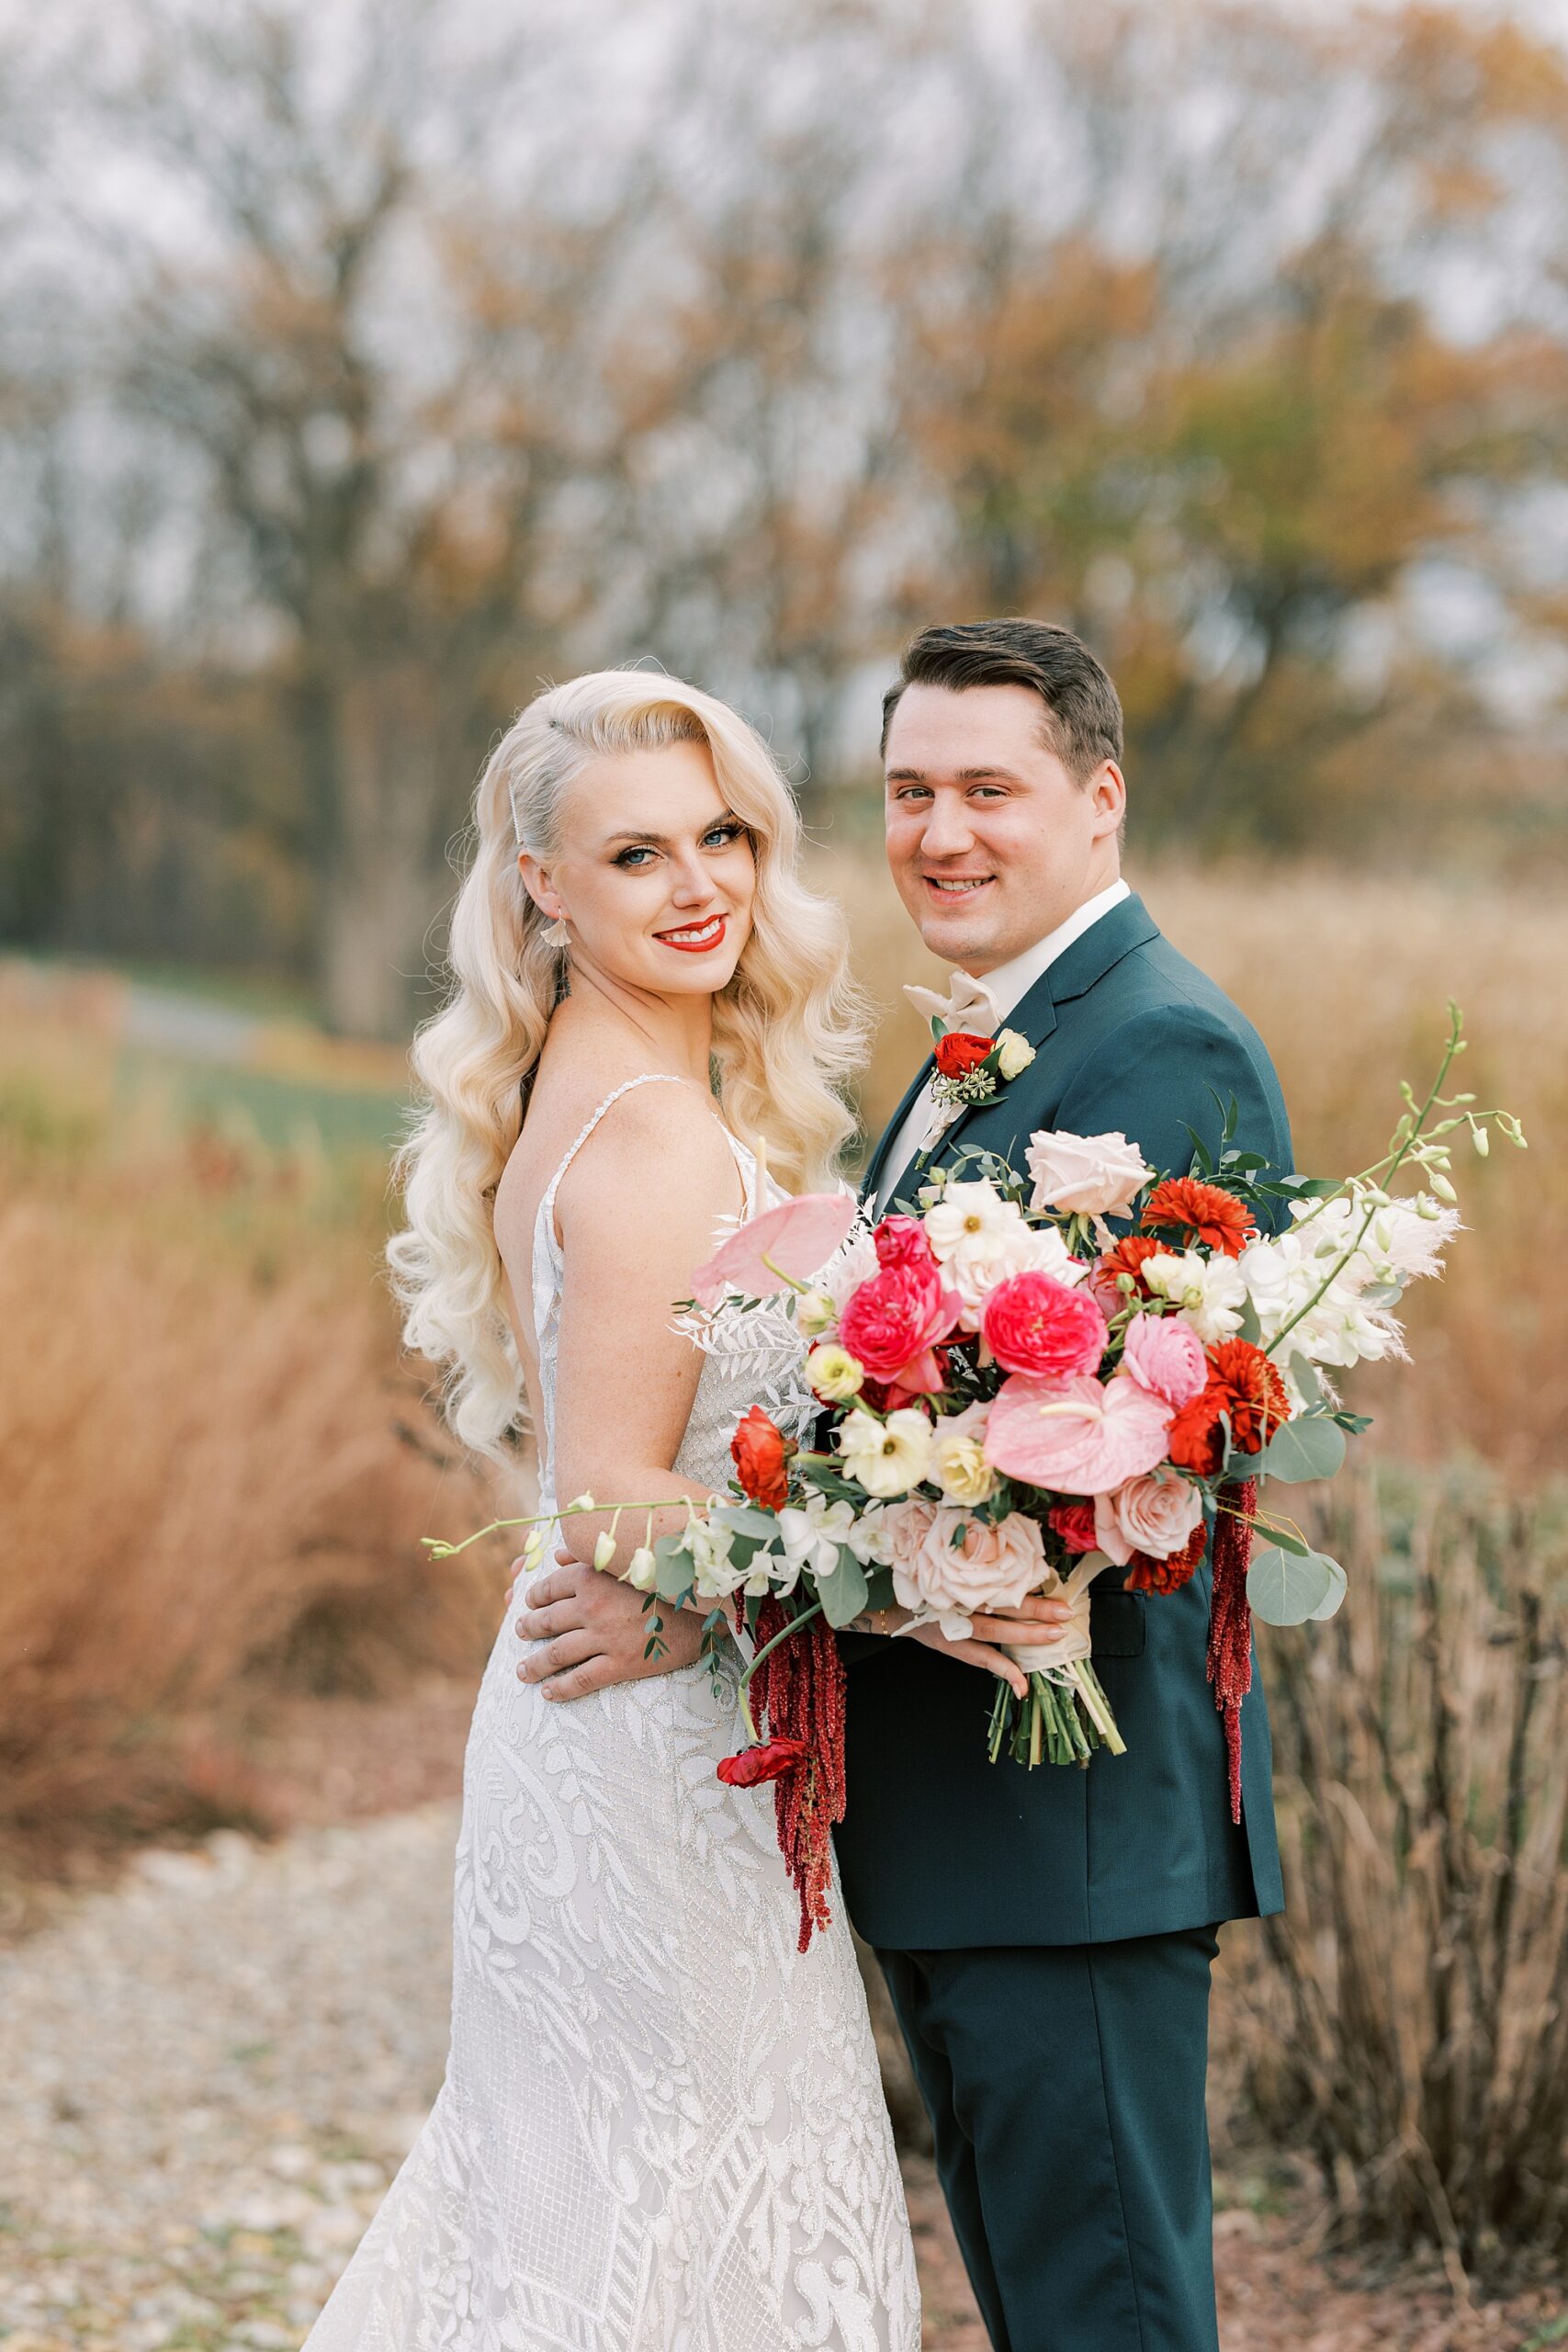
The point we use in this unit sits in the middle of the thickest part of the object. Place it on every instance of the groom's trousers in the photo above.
(1064, 2084)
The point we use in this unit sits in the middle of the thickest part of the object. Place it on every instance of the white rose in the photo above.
(834, 1374)
(1155, 1513)
(958, 1456)
(1209, 1292)
(885, 1457)
(1093, 1175)
(1014, 1053)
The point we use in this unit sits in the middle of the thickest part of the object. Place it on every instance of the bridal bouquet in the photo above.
(1018, 1395)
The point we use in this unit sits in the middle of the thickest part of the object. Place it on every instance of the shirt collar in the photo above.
(1010, 983)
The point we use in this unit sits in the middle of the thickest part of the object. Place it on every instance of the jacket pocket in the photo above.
(1116, 1624)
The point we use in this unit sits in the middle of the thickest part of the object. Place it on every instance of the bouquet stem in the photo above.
(1062, 1718)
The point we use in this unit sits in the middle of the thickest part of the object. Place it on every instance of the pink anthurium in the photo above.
(1078, 1435)
(784, 1247)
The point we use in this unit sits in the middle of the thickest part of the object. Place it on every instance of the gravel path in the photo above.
(211, 2071)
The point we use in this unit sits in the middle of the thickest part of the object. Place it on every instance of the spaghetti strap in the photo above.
(645, 1078)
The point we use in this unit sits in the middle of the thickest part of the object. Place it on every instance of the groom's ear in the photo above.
(1107, 788)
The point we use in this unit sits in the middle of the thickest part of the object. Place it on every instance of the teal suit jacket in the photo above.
(938, 1848)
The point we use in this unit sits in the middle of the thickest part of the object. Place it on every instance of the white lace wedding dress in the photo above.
(661, 2128)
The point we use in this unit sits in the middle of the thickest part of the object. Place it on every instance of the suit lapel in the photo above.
(1075, 972)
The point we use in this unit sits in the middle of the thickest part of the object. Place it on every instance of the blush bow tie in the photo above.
(969, 1004)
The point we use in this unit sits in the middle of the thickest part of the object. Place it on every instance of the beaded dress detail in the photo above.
(661, 2126)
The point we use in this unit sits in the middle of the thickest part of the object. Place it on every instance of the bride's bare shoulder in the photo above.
(652, 1138)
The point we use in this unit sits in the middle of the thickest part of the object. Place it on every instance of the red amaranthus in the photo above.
(801, 1689)
(1230, 1620)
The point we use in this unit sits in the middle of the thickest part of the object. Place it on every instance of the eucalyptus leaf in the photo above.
(1326, 1608)
(1382, 1294)
(1283, 1588)
(1250, 1326)
(1306, 1380)
(744, 1519)
(675, 1573)
(844, 1594)
(1312, 1447)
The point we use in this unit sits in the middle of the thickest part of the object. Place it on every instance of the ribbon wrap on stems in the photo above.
(1064, 1661)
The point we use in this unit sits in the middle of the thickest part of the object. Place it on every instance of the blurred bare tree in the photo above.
(376, 361)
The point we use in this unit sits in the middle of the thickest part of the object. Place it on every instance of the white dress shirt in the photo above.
(1007, 987)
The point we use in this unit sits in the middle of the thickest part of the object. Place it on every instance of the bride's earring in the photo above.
(558, 935)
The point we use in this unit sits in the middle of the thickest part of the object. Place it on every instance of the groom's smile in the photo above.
(992, 840)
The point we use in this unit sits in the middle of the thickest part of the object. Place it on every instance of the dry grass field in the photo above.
(214, 1471)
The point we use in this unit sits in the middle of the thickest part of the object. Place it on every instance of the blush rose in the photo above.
(1154, 1512)
(990, 1566)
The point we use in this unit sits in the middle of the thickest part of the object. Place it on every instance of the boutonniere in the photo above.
(970, 1068)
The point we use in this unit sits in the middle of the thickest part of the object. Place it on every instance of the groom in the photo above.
(1047, 1935)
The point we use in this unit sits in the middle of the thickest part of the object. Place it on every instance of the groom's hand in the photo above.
(593, 1629)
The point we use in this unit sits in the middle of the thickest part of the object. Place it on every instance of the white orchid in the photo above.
(1209, 1292)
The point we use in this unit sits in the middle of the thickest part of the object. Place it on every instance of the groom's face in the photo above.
(992, 842)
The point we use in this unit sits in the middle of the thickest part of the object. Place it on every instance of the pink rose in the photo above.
(1166, 1354)
(1154, 1512)
(1036, 1326)
(901, 1241)
(990, 1568)
(1074, 1522)
(1076, 1435)
(891, 1325)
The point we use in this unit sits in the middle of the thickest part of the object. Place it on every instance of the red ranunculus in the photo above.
(1074, 1522)
(960, 1051)
(892, 1322)
(768, 1760)
(1244, 1385)
(1201, 1213)
(759, 1452)
(1042, 1327)
(1145, 1574)
(901, 1241)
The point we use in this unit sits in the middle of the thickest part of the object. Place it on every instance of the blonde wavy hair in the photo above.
(789, 1029)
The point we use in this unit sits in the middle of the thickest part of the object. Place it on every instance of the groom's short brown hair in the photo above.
(1083, 721)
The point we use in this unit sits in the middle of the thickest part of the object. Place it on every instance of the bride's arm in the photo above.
(638, 1212)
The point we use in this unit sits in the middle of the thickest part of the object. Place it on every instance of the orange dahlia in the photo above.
(1243, 1387)
(1202, 1212)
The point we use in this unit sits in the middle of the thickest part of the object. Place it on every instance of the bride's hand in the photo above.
(1035, 1618)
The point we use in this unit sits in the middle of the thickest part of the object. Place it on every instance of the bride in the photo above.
(661, 2128)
